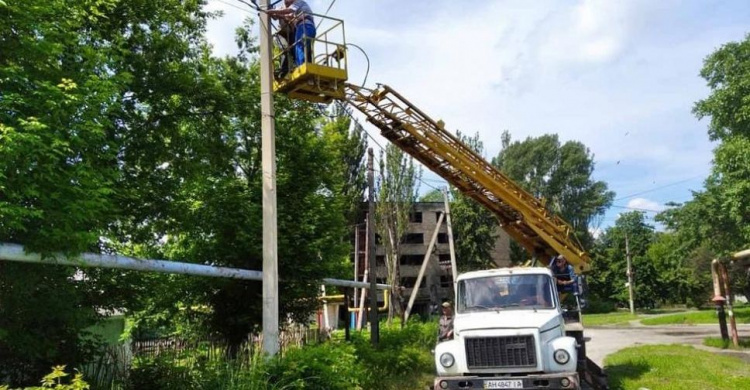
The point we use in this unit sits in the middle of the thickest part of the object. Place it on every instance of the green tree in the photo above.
(727, 72)
(195, 182)
(346, 141)
(58, 174)
(434, 195)
(716, 222)
(561, 175)
(396, 187)
(609, 264)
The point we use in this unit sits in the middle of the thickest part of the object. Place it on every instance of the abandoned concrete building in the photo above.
(437, 284)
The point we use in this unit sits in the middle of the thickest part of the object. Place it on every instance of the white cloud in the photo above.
(644, 204)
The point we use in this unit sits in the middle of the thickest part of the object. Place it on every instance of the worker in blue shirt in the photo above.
(564, 274)
(299, 14)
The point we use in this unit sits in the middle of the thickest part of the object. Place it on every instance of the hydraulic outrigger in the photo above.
(525, 218)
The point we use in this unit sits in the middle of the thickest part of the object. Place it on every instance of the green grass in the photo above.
(742, 316)
(675, 367)
(718, 342)
(614, 318)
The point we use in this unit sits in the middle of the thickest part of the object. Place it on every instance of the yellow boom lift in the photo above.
(524, 217)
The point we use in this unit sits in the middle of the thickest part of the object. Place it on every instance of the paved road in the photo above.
(608, 340)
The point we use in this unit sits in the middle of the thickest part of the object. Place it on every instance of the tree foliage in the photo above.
(396, 187)
(120, 132)
(716, 222)
(609, 276)
(561, 175)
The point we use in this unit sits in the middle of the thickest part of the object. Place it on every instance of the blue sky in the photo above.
(619, 76)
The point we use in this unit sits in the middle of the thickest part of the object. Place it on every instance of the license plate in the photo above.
(503, 384)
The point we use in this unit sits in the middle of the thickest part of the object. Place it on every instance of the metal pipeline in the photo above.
(14, 252)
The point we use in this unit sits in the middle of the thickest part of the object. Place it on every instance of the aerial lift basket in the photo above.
(322, 77)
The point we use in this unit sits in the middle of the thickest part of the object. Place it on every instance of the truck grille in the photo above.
(493, 352)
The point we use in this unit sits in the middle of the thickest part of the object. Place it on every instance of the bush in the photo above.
(325, 366)
(54, 380)
(599, 306)
(399, 351)
(335, 365)
(160, 373)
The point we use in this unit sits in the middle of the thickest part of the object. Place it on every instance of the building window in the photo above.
(437, 215)
(413, 238)
(380, 261)
(409, 282)
(411, 259)
(415, 217)
(445, 262)
(446, 281)
(442, 238)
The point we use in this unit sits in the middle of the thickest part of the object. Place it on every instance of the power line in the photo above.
(233, 6)
(660, 187)
(367, 58)
(325, 14)
(636, 209)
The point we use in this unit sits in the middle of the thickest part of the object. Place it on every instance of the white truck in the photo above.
(510, 332)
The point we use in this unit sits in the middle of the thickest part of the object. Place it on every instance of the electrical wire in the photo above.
(233, 5)
(636, 208)
(367, 72)
(325, 14)
(658, 188)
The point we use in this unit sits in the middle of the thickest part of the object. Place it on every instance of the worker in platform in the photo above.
(298, 14)
(445, 331)
(564, 274)
(285, 37)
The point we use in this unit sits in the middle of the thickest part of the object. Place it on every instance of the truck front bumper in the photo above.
(565, 380)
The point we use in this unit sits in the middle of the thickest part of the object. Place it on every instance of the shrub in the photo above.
(324, 366)
(161, 373)
(599, 306)
(54, 380)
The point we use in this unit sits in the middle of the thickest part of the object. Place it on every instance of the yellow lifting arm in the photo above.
(521, 215)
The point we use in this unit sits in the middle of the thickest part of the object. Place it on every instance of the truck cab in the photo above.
(509, 333)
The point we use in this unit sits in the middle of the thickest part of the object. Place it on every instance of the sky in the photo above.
(620, 76)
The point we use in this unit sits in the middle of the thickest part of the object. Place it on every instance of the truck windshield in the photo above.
(506, 292)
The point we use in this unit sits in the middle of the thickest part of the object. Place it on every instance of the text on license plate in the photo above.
(503, 384)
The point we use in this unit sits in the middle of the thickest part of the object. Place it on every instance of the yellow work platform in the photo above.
(322, 78)
(313, 82)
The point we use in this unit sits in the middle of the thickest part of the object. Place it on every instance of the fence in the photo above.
(293, 337)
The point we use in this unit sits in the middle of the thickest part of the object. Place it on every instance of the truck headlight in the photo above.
(447, 360)
(561, 356)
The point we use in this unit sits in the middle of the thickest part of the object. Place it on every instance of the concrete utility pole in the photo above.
(374, 321)
(630, 275)
(268, 139)
(356, 262)
(450, 235)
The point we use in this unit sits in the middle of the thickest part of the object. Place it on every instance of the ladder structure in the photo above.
(524, 217)
(323, 78)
